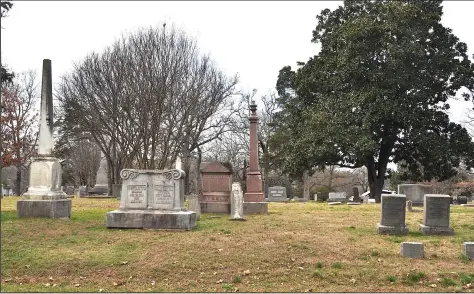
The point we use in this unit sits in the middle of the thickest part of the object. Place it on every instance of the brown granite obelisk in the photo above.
(254, 198)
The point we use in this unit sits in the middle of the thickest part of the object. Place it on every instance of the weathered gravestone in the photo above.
(276, 194)
(194, 205)
(409, 206)
(412, 249)
(337, 197)
(237, 202)
(216, 187)
(44, 197)
(468, 250)
(356, 197)
(415, 192)
(392, 220)
(462, 200)
(83, 191)
(152, 199)
(436, 215)
(102, 183)
(70, 190)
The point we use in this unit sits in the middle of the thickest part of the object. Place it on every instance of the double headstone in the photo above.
(436, 215)
(392, 221)
(152, 199)
(276, 194)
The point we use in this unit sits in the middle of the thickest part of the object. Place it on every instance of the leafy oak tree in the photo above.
(377, 93)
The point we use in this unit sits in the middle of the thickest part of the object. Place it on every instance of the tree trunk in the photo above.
(306, 179)
(18, 181)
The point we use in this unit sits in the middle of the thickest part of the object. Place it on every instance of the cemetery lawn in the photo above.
(298, 247)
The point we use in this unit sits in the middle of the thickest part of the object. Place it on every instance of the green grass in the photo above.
(296, 248)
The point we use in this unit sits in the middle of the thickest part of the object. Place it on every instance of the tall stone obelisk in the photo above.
(254, 198)
(102, 181)
(44, 197)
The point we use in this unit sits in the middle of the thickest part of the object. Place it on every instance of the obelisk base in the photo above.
(44, 208)
(44, 197)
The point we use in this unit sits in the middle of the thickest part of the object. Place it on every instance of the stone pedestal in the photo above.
(392, 215)
(436, 213)
(44, 197)
(152, 199)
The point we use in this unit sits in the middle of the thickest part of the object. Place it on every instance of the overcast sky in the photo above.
(253, 39)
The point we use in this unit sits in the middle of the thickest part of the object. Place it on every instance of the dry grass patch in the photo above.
(297, 247)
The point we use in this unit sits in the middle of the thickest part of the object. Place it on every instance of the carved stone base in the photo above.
(392, 230)
(426, 230)
(215, 207)
(255, 208)
(151, 219)
(44, 208)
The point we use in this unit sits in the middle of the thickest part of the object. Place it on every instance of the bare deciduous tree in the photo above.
(146, 99)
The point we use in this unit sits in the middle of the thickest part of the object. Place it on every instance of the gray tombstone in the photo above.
(83, 191)
(436, 215)
(415, 192)
(356, 197)
(102, 182)
(194, 205)
(392, 220)
(276, 194)
(44, 197)
(236, 202)
(412, 249)
(409, 206)
(468, 250)
(70, 190)
(337, 197)
(462, 200)
(152, 199)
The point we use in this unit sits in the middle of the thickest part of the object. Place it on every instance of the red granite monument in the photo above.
(254, 200)
(216, 187)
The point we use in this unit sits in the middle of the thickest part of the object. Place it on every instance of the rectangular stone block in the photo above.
(151, 219)
(412, 249)
(194, 205)
(337, 197)
(392, 220)
(255, 208)
(276, 194)
(436, 215)
(468, 250)
(44, 208)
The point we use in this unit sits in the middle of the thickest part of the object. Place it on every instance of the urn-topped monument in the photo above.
(44, 197)
(254, 198)
(152, 199)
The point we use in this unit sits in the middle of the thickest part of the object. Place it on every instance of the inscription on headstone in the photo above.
(136, 193)
(436, 215)
(392, 221)
(276, 194)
